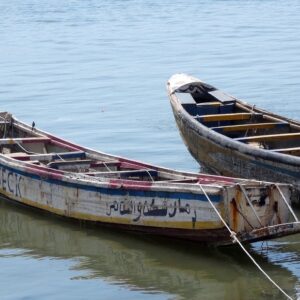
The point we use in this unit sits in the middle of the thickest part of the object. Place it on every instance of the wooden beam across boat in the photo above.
(67, 163)
(244, 127)
(227, 117)
(48, 156)
(212, 103)
(293, 150)
(133, 173)
(30, 140)
(269, 137)
(4, 123)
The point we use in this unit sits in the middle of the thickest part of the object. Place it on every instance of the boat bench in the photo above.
(269, 137)
(48, 156)
(113, 163)
(125, 174)
(249, 126)
(28, 140)
(228, 117)
(69, 163)
(4, 123)
(293, 150)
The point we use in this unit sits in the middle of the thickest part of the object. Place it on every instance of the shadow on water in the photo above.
(184, 270)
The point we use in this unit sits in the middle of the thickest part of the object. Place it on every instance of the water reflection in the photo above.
(181, 270)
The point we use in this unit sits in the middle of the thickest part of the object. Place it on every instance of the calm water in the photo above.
(95, 72)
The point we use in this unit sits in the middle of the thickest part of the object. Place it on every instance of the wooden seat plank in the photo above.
(12, 141)
(48, 156)
(4, 123)
(213, 103)
(269, 137)
(227, 117)
(244, 127)
(56, 164)
(122, 174)
(287, 150)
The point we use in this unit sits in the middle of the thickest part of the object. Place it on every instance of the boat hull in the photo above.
(79, 183)
(157, 212)
(228, 161)
(224, 156)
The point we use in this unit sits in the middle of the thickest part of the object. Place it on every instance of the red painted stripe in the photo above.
(214, 178)
(44, 169)
(43, 173)
(22, 158)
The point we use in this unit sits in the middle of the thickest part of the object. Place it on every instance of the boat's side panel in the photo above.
(171, 213)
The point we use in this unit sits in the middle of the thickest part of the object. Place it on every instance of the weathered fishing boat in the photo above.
(233, 138)
(46, 172)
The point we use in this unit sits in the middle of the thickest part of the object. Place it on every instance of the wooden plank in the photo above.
(227, 117)
(10, 141)
(47, 156)
(244, 127)
(132, 173)
(63, 163)
(213, 103)
(287, 150)
(270, 137)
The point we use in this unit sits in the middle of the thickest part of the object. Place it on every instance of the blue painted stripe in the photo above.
(118, 191)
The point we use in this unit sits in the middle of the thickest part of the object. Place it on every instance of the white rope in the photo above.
(148, 172)
(235, 239)
(25, 150)
(59, 156)
(105, 165)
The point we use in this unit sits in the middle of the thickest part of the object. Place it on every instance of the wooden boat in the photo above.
(233, 138)
(46, 172)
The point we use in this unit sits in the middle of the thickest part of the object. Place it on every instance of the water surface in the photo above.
(94, 72)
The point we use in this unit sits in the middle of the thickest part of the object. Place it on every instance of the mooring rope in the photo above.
(235, 239)
(105, 165)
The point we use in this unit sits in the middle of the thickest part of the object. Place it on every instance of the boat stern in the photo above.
(260, 211)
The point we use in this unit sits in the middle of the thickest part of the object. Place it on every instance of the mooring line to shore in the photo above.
(235, 239)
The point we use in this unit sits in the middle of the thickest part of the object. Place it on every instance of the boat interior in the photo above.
(230, 117)
(29, 145)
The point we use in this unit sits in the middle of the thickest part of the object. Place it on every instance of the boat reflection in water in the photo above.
(153, 267)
